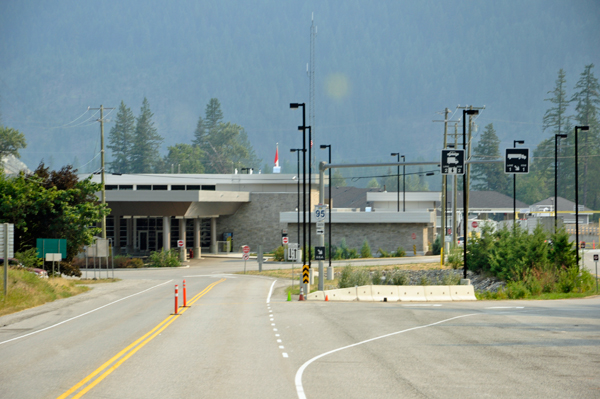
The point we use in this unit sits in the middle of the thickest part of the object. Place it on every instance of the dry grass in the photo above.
(26, 290)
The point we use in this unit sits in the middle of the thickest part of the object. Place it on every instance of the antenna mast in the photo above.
(311, 76)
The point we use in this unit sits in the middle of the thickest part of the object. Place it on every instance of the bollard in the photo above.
(176, 295)
(184, 295)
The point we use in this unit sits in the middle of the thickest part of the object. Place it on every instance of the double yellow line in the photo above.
(129, 351)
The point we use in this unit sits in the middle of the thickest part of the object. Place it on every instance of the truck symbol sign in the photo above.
(516, 156)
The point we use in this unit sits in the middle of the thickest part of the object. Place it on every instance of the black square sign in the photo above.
(453, 162)
(516, 160)
(319, 253)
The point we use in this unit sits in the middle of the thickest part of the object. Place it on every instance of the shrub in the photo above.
(278, 254)
(424, 281)
(164, 258)
(400, 252)
(337, 255)
(455, 257)
(29, 258)
(361, 277)
(516, 290)
(127, 262)
(377, 277)
(365, 251)
(451, 279)
(345, 280)
(352, 254)
(398, 277)
(437, 245)
(383, 254)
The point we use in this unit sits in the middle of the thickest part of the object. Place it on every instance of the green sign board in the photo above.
(51, 246)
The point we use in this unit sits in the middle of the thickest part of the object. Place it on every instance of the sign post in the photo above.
(596, 260)
(7, 249)
(293, 256)
(246, 255)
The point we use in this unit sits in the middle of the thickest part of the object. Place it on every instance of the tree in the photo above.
(373, 183)
(11, 141)
(338, 180)
(489, 177)
(51, 204)
(186, 156)
(120, 140)
(587, 99)
(146, 141)
(224, 145)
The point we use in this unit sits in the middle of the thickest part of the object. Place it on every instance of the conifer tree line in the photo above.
(217, 146)
(565, 111)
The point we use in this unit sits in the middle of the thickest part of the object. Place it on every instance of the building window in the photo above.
(126, 187)
(208, 187)
(177, 188)
(144, 187)
(159, 187)
(192, 187)
(111, 187)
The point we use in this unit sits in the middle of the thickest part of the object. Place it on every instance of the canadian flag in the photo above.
(277, 156)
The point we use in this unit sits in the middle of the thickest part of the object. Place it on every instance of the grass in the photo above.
(545, 296)
(26, 290)
(89, 281)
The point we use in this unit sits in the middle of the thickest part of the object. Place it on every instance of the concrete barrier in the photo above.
(462, 293)
(316, 296)
(364, 293)
(437, 293)
(411, 293)
(342, 294)
(389, 292)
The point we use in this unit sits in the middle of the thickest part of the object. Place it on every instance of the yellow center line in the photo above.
(151, 334)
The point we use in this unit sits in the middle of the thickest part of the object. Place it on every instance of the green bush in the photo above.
(516, 290)
(424, 281)
(437, 245)
(345, 280)
(164, 258)
(383, 254)
(352, 254)
(455, 257)
(377, 278)
(398, 277)
(365, 251)
(29, 258)
(451, 279)
(278, 254)
(400, 252)
(122, 262)
(361, 277)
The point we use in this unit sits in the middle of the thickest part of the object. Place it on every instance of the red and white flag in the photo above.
(277, 156)
(311, 143)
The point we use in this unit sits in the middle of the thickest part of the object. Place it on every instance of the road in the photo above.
(240, 338)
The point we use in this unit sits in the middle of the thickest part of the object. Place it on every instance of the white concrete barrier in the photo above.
(316, 296)
(342, 294)
(462, 293)
(389, 292)
(364, 293)
(411, 293)
(437, 293)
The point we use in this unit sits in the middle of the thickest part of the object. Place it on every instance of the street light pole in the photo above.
(398, 178)
(556, 137)
(297, 151)
(403, 184)
(323, 146)
(303, 128)
(515, 142)
(309, 195)
(465, 191)
(582, 128)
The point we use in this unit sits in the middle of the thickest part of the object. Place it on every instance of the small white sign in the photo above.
(53, 257)
(11, 240)
(293, 251)
(320, 212)
(180, 243)
(246, 256)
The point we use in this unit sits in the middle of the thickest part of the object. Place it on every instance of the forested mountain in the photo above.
(382, 70)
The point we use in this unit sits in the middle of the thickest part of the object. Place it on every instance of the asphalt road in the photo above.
(242, 339)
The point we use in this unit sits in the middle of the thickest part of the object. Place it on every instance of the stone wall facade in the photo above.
(387, 236)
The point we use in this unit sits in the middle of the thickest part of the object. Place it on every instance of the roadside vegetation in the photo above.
(536, 266)
(342, 252)
(27, 290)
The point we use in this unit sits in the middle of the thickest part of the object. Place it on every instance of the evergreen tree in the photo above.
(587, 100)
(214, 115)
(338, 180)
(146, 141)
(200, 134)
(489, 177)
(185, 158)
(120, 140)
(11, 141)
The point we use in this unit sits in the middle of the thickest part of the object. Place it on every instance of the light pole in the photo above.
(303, 128)
(394, 154)
(309, 195)
(324, 146)
(297, 151)
(403, 184)
(582, 128)
(515, 142)
(556, 137)
(465, 190)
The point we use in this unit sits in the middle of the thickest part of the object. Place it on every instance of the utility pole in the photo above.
(101, 120)
(454, 193)
(444, 185)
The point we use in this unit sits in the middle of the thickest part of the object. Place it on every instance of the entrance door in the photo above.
(143, 240)
(159, 240)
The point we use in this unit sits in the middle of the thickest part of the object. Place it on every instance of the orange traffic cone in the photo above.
(326, 298)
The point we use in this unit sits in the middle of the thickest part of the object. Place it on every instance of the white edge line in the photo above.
(270, 292)
(298, 379)
(83, 314)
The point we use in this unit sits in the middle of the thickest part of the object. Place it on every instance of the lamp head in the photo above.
(519, 142)
(561, 136)
(293, 150)
(324, 146)
(395, 153)
(429, 174)
(583, 128)
(472, 111)
(301, 128)
(294, 105)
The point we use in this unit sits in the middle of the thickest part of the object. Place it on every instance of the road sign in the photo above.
(596, 257)
(246, 249)
(246, 256)
(180, 243)
(53, 257)
(582, 245)
(305, 274)
(474, 224)
(320, 212)
(453, 162)
(285, 240)
(292, 251)
(414, 236)
(321, 228)
(319, 253)
(10, 233)
(516, 160)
